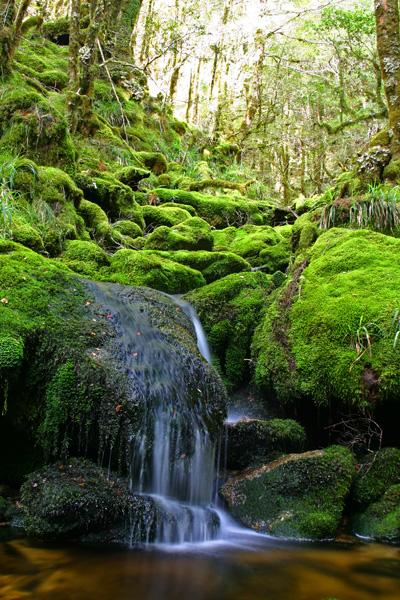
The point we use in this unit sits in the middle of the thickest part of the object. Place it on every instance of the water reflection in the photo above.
(272, 571)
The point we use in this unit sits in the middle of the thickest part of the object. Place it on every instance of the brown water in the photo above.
(268, 571)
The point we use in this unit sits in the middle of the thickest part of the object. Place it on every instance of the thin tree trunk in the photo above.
(11, 21)
(74, 44)
(388, 44)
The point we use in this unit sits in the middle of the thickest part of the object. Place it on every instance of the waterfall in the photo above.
(172, 452)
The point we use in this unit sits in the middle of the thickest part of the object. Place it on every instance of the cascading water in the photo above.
(172, 453)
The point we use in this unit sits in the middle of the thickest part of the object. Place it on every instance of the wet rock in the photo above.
(252, 441)
(297, 496)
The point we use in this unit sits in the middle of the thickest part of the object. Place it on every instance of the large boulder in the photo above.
(297, 496)
(331, 334)
(69, 499)
(65, 386)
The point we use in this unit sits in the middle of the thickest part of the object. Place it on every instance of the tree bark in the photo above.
(11, 21)
(388, 45)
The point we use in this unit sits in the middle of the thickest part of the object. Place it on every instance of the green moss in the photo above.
(84, 257)
(219, 211)
(25, 234)
(192, 234)
(308, 343)
(57, 30)
(131, 176)
(381, 520)
(155, 161)
(30, 125)
(131, 267)
(305, 231)
(229, 310)
(155, 216)
(348, 184)
(298, 496)
(128, 228)
(392, 171)
(213, 265)
(115, 198)
(11, 352)
(68, 500)
(381, 138)
(260, 246)
(253, 442)
(375, 478)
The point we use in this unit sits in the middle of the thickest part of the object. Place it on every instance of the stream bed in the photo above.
(254, 569)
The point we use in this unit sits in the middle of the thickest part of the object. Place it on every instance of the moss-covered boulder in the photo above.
(376, 496)
(192, 234)
(254, 441)
(84, 257)
(375, 476)
(297, 496)
(155, 216)
(65, 501)
(265, 247)
(230, 309)
(331, 333)
(213, 265)
(132, 267)
(381, 519)
(218, 211)
(114, 197)
(131, 176)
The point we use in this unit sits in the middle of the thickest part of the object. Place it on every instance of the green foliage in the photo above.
(299, 496)
(155, 216)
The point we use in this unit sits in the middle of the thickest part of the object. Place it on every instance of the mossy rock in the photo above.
(380, 472)
(129, 228)
(192, 234)
(57, 31)
(155, 161)
(213, 265)
(219, 211)
(30, 125)
(23, 233)
(254, 441)
(156, 216)
(299, 496)
(381, 519)
(392, 171)
(84, 257)
(308, 346)
(229, 310)
(131, 267)
(260, 246)
(305, 231)
(114, 197)
(65, 501)
(131, 176)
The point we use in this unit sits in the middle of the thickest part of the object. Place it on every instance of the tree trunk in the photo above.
(74, 44)
(11, 21)
(388, 44)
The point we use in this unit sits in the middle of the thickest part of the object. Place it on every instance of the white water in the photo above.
(173, 455)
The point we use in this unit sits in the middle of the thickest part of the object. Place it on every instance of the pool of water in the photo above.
(254, 569)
